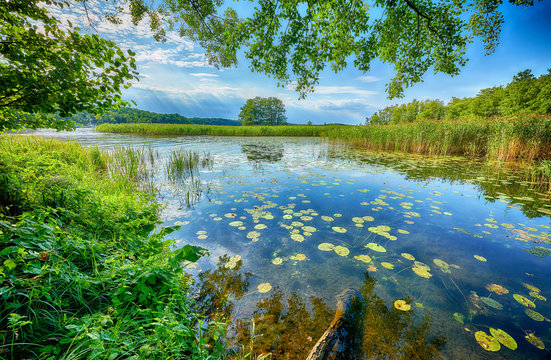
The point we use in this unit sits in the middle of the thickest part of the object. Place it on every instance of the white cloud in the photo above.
(203, 75)
(368, 78)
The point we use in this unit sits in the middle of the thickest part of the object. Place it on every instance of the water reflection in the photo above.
(257, 153)
(287, 326)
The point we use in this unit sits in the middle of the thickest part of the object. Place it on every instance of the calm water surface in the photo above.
(449, 235)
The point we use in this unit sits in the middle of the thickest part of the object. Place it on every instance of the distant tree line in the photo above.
(131, 115)
(524, 94)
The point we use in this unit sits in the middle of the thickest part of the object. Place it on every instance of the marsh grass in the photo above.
(83, 274)
(216, 130)
(512, 138)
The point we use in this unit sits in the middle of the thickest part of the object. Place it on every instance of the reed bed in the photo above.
(511, 138)
(504, 138)
(216, 130)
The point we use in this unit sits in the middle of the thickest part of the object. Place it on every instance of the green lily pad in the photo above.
(534, 315)
(487, 342)
(326, 247)
(364, 258)
(537, 295)
(277, 261)
(341, 250)
(524, 301)
(339, 229)
(375, 247)
(441, 263)
(491, 303)
(264, 287)
(504, 338)
(297, 237)
(387, 265)
(480, 258)
(460, 318)
(408, 256)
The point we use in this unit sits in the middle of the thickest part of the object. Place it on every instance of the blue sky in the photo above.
(175, 76)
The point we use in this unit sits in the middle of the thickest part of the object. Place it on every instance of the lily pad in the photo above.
(341, 250)
(387, 265)
(277, 261)
(531, 287)
(299, 257)
(441, 263)
(534, 340)
(236, 223)
(309, 229)
(498, 289)
(537, 295)
(339, 229)
(504, 338)
(327, 218)
(480, 258)
(264, 287)
(364, 258)
(403, 231)
(402, 305)
(491, 303)
(524, 301)
(421, 272)
(534, 315)
(408, 256)
(297, 237)
(375, 247)
(326, 247)
(460, 318)
(487, 342)
(260, 226)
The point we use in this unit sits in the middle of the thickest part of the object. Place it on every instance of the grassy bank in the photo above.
(82, 273)
(215, 130)
(511, 138)
(519, 137)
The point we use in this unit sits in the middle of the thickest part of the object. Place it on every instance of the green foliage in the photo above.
(50, 68)
(82, 275)
(524, 94)
(263, 111)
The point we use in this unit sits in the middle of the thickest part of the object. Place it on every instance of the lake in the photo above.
(452, 236)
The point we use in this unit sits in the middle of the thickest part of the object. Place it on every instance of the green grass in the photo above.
(83, 274)
(216, 130)
(511, 138)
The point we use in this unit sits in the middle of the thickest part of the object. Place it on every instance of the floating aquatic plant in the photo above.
(364, 258)
(487, 342)
(534, 340)
(387, 265)
(498, 289)
(326, 247)
(341, 250)
(277, 261)
(375, 247)
(339, 229)
(504, 338)
(524, 301)
(491, 303)
(264, 287)
(480, 258)
(408, 256)
(534, 315)
(402, 305)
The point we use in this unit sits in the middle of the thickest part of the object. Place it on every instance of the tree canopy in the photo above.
(263, 111)
(294, 40)
(49, 68)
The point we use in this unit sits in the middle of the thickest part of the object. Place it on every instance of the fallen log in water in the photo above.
(343, 338)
